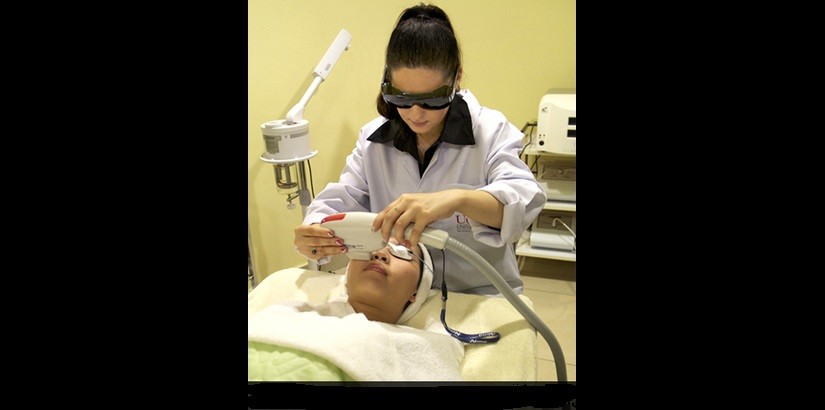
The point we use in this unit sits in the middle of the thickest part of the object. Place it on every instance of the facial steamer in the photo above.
(355, 228)
(287, 140)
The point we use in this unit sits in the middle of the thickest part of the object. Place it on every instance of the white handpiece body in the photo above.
(355, 228)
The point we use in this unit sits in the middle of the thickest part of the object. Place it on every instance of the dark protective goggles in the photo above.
(437, 99)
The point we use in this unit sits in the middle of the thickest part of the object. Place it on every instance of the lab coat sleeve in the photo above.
(349, 194)
(514, 185)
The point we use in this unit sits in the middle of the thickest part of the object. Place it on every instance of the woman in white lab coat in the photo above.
(435, 157)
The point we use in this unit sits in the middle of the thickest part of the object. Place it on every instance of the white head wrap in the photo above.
(423, 288)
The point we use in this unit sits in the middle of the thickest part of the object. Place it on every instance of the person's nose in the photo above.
(380, 255)
(417, 110)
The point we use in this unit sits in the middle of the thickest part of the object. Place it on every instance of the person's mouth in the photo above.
(376, 267)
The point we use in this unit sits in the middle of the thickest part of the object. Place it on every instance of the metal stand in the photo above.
(303, 194)
(305, 198)
(250, 267)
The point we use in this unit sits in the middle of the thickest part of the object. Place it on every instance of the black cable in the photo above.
(443, 268)
(530, 138)
(528, 124)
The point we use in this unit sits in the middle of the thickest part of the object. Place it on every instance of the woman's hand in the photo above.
(422, 209)
(418, 210)
(316, 242)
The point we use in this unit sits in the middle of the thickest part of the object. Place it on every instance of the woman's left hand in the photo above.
(418, 210)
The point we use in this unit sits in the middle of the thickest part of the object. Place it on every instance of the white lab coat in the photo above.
(376, 174)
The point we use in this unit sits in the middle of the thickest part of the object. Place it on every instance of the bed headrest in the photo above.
(423, 288)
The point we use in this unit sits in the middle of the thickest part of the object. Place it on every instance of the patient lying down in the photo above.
(389, 288)
(359, 332)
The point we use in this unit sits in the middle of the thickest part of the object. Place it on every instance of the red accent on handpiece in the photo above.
(336, 217)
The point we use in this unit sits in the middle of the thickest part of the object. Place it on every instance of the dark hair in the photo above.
(423, 38)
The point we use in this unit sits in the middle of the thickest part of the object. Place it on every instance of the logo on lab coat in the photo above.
(462, 223)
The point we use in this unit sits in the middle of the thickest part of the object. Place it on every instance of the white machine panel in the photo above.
(556, 124)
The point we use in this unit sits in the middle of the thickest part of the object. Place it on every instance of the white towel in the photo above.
(366, 350)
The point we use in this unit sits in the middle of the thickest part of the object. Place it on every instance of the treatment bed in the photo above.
(512, 358)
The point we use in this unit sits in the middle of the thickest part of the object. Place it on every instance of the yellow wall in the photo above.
(513, 52)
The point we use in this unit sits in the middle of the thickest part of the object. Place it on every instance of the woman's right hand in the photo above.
(316, 242)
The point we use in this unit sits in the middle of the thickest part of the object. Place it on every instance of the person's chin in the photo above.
(419, 127)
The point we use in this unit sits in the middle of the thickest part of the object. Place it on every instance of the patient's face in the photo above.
(384, 284)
